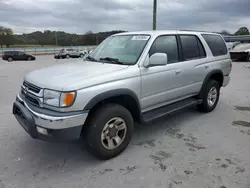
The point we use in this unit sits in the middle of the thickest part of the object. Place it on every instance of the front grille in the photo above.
(31, 93)
(31, 100)
(31, 87)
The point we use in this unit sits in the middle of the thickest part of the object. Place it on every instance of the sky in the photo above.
(80, 16)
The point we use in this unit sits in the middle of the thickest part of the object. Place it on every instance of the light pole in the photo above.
(56, 37)
(154, 14)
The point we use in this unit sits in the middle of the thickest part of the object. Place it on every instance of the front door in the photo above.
(159, 83)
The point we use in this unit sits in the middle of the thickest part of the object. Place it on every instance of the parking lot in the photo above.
(188, 149)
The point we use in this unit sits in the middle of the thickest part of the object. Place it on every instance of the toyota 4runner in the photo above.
(130, 77)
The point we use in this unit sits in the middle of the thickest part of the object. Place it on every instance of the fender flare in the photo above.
(112, 93)
(207, 78)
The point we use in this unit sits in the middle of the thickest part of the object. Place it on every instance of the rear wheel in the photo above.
(248, 58)
(211, 96)
(10, 59)
(109, 131)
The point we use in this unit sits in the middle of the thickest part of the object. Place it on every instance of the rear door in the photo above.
(76, 52)
(192, 66)
(17, 55)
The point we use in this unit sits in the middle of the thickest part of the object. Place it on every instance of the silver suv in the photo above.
(130, 77)
(70, 52)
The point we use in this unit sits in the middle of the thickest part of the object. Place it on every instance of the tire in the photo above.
(94, 137)
(81, 55)
(248, 58)
(67, 56)
(29, 58)
(210, 102)
(10, 59)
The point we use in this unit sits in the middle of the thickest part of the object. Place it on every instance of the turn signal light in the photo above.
(68, 98)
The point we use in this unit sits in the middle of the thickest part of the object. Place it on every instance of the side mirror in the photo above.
(158, 59)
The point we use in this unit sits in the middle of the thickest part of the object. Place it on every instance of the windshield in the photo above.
(125, 49)
(62, 51)
(242, 47)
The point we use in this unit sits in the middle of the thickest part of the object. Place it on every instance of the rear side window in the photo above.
(191, 47)
(7, 53)
(166, 44)
(20, 53)
(216, 44)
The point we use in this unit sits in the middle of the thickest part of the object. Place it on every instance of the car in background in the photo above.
(70, 53)
(231, 45)
(17, 56)
(241, 52)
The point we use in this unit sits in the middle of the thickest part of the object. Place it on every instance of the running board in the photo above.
(168, 109)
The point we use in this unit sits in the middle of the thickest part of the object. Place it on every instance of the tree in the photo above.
(225, 32)
(62, 38)
(89, 32)
(6, 37)
(242, 31)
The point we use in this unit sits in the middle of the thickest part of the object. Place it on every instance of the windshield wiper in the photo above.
(110, 59)
(90, 58)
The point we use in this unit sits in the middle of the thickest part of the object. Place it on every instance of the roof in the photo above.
(158, 32)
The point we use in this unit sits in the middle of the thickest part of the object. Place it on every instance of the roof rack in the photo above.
(192, 30)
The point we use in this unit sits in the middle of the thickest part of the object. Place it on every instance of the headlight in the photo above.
(58, 99)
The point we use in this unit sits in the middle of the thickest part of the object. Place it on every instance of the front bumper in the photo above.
(58, 56)
(226, 81)
(59, 127)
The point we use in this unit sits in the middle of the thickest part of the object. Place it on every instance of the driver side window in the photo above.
(166, 44)
(20, 53)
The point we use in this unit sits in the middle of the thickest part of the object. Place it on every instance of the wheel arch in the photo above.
(125, 97)
(214, 75)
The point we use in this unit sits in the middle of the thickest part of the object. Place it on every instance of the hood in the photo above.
(71, 76)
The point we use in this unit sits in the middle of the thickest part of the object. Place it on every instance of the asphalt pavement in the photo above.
(185, 150)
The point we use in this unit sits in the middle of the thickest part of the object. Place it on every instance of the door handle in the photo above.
(206, 66)
(178, 72)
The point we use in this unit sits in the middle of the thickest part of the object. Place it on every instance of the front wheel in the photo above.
(81, 55)
(109, 131)
(29, 58)
(211, 96)
(67, 56)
